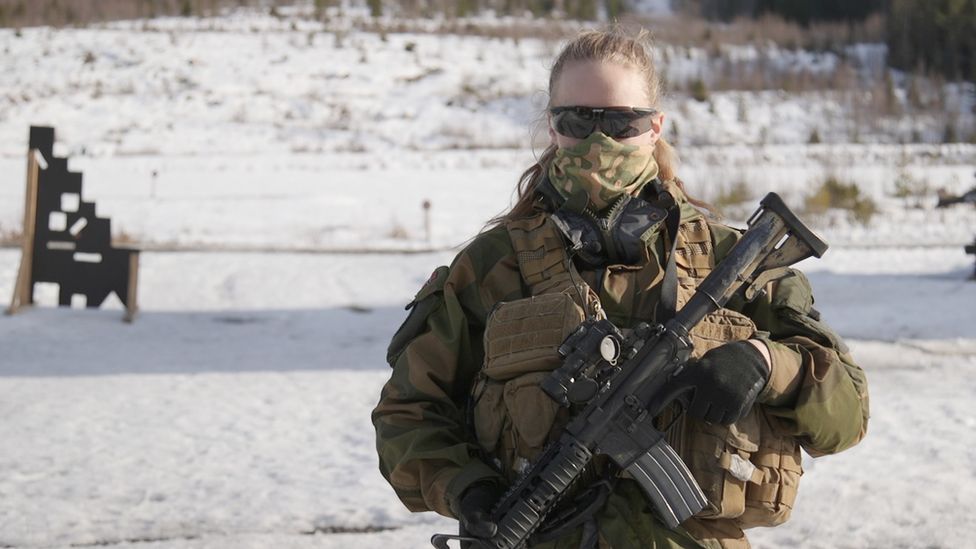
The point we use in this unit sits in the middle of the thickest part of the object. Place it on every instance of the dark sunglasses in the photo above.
(616, 122)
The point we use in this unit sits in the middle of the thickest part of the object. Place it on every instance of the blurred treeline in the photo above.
(927, 36)
(923, 36)
(800, 11)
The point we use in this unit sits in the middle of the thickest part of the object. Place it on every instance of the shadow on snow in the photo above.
(67, 342)
(72, 342)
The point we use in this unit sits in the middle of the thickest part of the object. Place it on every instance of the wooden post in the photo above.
(971, 249)
(23, 288)
(131, 305)
(426, 206)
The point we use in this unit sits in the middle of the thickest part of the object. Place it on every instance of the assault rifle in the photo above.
(622, 383)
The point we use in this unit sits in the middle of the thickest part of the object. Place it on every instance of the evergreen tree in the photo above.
(699, 91)
(466, 8)
(510, 7)
(800, 11)
(540, 8)
(949, 135)
(727, 10)
(938, 35)
(615, 8)
(321, 5)
(375, 7)
(582, 10)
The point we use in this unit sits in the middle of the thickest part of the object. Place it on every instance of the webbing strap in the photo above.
(581, 510)
(668, 304)
(695, 249)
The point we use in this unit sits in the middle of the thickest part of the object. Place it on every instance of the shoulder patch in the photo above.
(435, 283)
(422, 305)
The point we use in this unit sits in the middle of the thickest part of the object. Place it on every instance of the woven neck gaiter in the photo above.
(603, 168)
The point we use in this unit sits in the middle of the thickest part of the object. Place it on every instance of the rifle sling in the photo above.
(583, 507)
(667, 305)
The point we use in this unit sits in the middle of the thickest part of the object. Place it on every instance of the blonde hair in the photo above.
(609, 46)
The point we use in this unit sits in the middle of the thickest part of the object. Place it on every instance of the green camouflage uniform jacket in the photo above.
(429, 456)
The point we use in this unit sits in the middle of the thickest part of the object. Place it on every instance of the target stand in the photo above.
(64, 242)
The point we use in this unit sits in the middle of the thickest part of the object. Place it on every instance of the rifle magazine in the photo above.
(660, 472)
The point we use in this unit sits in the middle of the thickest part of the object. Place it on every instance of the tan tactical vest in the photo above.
(749, 474)
(513, 417)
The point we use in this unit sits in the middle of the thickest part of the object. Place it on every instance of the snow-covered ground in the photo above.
(235, 411)
(244, 155)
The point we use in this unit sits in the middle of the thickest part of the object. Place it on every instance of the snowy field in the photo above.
(235, 411)
(277, 193)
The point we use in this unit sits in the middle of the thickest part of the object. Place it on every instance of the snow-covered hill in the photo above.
(250, 83)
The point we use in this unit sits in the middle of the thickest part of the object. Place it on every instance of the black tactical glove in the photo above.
(725, 382)
(473, 509)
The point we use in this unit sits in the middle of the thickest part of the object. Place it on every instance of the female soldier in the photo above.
(463, 413)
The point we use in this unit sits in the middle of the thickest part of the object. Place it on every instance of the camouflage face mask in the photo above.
(603, 168)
